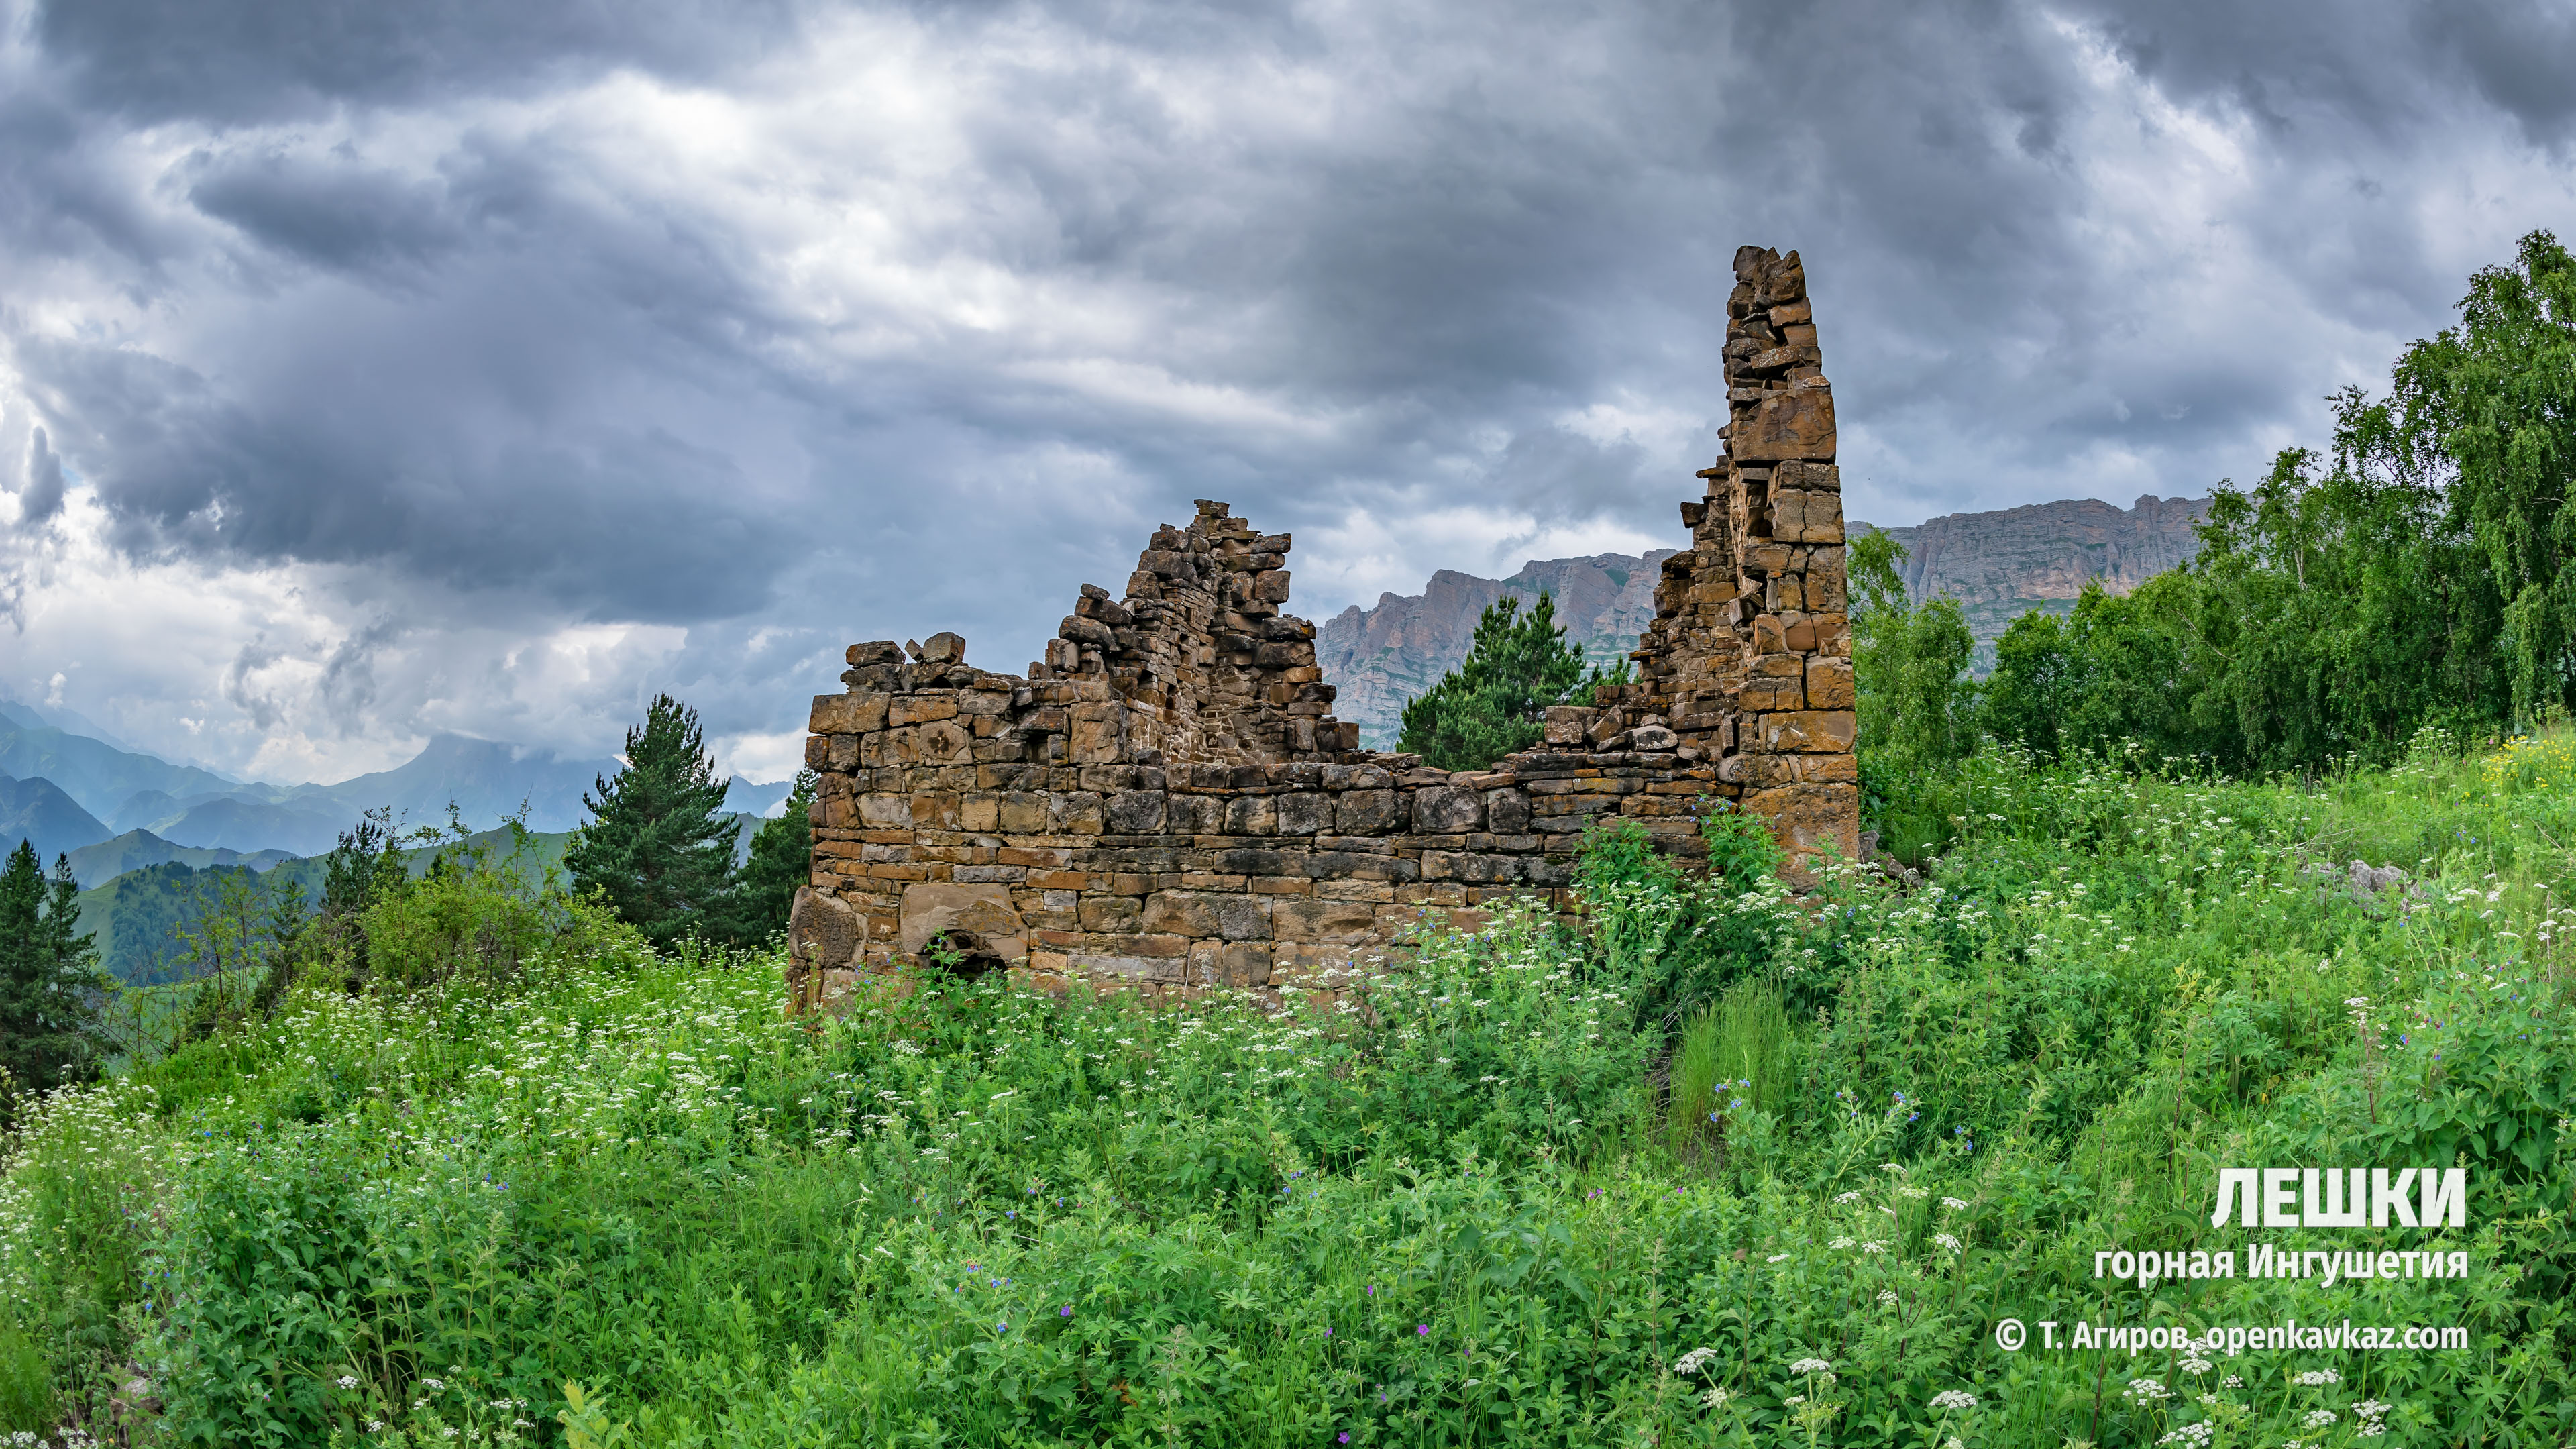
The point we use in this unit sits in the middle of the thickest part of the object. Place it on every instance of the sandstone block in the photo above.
(1074, 812)
(1134, 812)
(1271, 587)
(873, 653)
(1252, 815)
(1098, 735)
(912, 709)
(1234, 964)
(836, 714)
(1206, 915)
(1102, 965)
(1565, 724)
(943, 742)
(984, 912)
(1113, 913)
(943, 648)
(1313, 919)
(823, 931)
(1446, 810)
(1307, 812)
(1807, 732)
(1767, 558)
(1827, 580)
(1507, 811)
(1368, 812)
(1796, 423)
(1823, 769)
(1829, 684)
(1811, 818)
(1766, 694)
(885, 812)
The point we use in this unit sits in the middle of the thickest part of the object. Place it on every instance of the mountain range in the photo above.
(1999, 565)
(114, 809)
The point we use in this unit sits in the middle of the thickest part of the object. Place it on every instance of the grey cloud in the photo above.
(40, 496)
(262, 707)
(326, 211)
(507, 378)
(245, 60)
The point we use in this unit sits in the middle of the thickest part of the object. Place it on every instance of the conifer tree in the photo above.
(656, 844)
(49, 976)
(1488, 706)
(781, 860)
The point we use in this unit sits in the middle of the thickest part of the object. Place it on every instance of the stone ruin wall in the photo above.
(1165, 801)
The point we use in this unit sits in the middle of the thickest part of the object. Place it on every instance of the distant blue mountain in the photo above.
(39, 812)
(756, 797)
(94, 865)
(99, 776)
(117, 792)
(487, 782)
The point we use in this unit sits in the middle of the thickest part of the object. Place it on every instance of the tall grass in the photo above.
(1445, 1206)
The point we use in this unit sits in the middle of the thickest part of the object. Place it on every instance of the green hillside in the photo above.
(1710, 1166)
(137, 915)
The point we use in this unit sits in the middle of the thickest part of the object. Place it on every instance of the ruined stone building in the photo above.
(1166, 800)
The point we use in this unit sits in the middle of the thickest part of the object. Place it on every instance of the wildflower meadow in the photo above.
(1709, 1163)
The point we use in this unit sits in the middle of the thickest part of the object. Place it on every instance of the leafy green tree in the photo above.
(781, 860)
(656, 844)
(1488, 707)
(1917, 701)
(2488, 409)
(50, 983)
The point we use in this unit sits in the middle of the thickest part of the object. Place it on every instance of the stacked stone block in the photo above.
(1749, 657)
(1207, 665)
(1164, 800)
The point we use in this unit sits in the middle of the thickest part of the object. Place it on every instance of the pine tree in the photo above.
(656, 844)
(49, 976)
(1488, 706)
(781, 860)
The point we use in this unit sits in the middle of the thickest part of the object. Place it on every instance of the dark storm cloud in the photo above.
(250, 60)
(411, 288)
(40, 496)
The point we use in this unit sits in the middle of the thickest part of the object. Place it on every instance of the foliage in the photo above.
(2414, 577)
(1917, 704)
(781, 860)
(1441, 1204)
(655, 845)
(1488, 706)
(49, 977)
(1917, 701)
(474, 917)
(2492, 402)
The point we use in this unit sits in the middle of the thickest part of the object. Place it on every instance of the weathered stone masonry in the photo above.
(1165, 799)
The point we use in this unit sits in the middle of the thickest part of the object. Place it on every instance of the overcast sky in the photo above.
(369, 370)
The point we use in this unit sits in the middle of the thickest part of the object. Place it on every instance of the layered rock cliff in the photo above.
(2002, 565)
(1998, 565)
(1381, 657)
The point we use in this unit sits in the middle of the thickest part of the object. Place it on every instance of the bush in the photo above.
(1440, 1204)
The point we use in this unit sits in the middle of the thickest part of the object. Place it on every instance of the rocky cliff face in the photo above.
(2002, 565)
(1998, 565)
(1384, 656)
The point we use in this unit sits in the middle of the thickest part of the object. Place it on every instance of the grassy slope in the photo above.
(136, 916)
(985, 1217)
